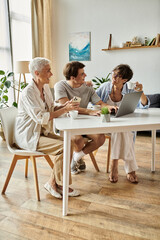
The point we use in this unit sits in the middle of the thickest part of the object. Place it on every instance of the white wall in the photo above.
(124, 19)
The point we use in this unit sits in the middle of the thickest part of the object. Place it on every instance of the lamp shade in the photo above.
(21, 67)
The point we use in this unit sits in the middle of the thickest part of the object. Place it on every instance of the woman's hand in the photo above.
(138, 87)
(113, 109)
(110, 108)
(89, 83)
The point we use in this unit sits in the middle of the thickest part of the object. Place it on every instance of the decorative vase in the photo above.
(105, 117)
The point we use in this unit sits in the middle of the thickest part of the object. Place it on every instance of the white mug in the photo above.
(73, 114)
(131, 85)
(97, 107)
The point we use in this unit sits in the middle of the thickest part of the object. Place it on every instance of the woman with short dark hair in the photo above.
(123, 142)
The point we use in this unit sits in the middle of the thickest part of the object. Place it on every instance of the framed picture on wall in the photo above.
(80, 46)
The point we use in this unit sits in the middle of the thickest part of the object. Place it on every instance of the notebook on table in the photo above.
(128, 104)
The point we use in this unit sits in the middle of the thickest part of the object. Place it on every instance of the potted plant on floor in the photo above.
(6, 82)
(105, 115)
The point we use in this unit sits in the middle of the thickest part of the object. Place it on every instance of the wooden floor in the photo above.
(103, 211)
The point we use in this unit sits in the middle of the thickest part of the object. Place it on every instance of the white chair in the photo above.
(8, 116)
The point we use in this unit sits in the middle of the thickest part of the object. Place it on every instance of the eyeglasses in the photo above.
(116, 75)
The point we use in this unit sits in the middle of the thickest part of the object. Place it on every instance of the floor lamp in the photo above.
(21, 67)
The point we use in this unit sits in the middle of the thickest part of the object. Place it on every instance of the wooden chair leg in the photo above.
(48, 159)
(108, 154)
(35, 176)
(26, 168)
(13, 164)
(95, 152)
(94, 161)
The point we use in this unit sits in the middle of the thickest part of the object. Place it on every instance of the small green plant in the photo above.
(98, 81)
(5, 84)
(104, 110)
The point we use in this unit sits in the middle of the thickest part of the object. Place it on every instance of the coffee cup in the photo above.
(131, 85)
(97, 107)
(73, 114)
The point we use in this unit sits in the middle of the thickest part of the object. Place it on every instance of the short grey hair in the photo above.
(37, 64)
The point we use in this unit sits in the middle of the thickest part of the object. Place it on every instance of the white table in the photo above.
(146, 119)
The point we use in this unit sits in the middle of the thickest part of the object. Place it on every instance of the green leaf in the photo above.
(104, 110)
(10, 74)
(2, 86)
(94, 80)
(15, 104)
(6, 90)
(101, 81)
(98, 79)
(23, 85)
(2, 72)
(3, 79)
(8, 84)
(108, 75)
(5, 97)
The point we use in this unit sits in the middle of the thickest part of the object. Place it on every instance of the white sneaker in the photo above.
(55, 194)
(74, 167)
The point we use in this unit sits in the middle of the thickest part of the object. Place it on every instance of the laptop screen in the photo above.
(129, 103)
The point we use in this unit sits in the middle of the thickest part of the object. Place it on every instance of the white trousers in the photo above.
(122, 145)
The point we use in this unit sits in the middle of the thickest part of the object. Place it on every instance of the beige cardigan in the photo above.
(32, 115)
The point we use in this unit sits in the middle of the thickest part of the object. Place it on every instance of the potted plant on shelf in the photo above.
(105, 115)
(98, 81)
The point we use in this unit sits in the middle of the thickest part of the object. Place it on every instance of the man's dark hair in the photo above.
(71, 69)
(124, 71)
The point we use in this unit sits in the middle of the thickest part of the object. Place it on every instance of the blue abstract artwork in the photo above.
(79, 47)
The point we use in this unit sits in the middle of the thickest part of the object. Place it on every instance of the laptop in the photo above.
(128, 104)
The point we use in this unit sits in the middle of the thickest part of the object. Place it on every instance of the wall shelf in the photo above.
(116, 48)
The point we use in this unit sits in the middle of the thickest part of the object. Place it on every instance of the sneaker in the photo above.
(81, 165)
(74, 167)
(77, 166)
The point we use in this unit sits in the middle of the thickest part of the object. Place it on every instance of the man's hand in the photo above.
(95, 112)
(70, 105)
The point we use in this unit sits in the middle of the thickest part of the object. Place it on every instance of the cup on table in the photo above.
(131, 85)
(73, 114)
(96, 107)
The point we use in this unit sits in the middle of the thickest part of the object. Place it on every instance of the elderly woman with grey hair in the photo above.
(34, 123)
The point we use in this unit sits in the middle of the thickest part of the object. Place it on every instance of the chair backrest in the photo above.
(8, 116)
